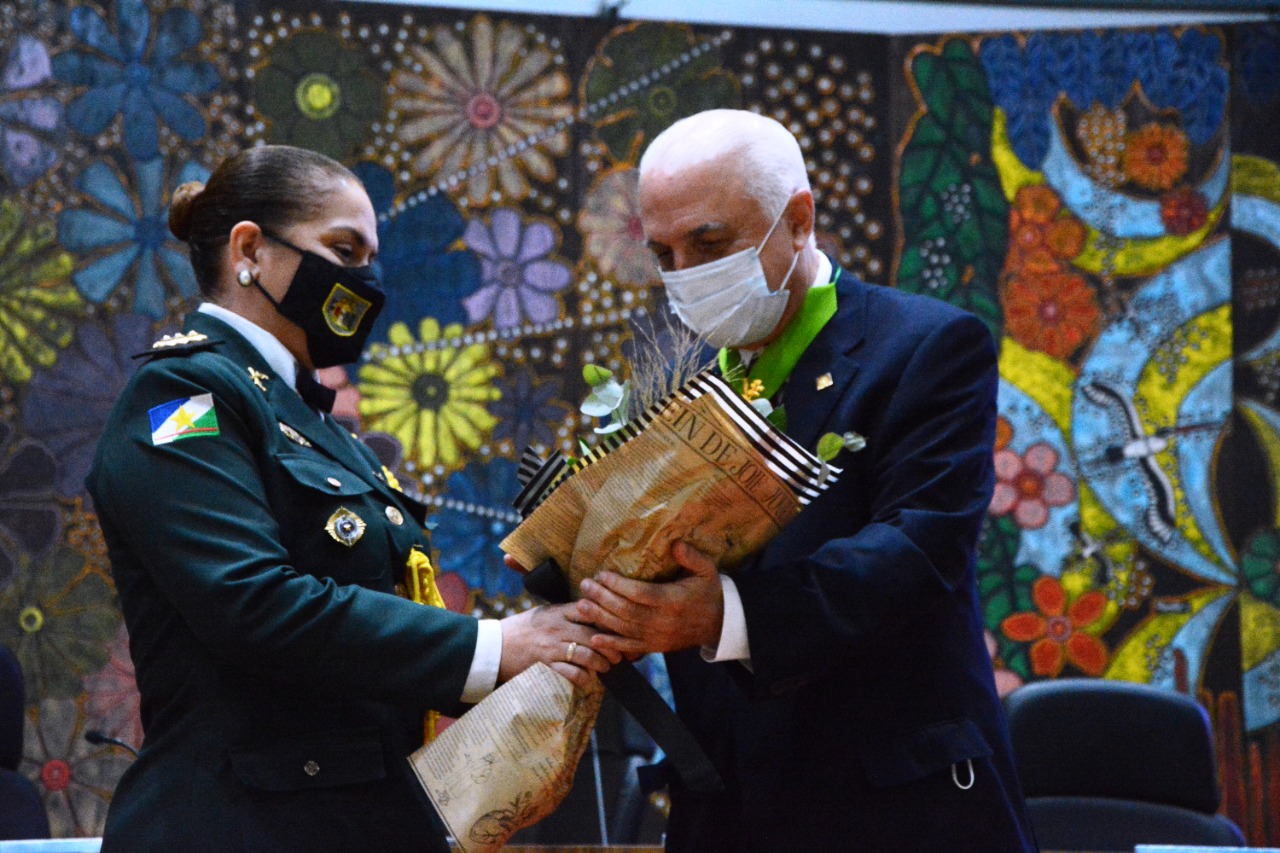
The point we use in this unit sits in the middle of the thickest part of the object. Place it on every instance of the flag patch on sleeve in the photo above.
(189, 417)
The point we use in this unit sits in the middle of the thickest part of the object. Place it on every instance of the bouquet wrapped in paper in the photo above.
(702, 466)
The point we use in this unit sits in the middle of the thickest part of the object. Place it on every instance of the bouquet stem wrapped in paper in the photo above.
(700, 466)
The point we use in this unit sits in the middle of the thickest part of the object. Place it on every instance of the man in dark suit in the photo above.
(838, 680)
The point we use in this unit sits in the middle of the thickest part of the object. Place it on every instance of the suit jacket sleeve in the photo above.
(928, 480)
(196, 514)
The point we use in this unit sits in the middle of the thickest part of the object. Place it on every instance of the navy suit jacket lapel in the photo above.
(808, 407)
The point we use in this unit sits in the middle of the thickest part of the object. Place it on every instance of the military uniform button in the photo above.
(335, 482)
(311, 768)
(395, 516)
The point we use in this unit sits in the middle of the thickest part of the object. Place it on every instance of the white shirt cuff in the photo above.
(483, 676)
(733, 632)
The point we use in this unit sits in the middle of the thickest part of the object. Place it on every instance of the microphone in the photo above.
(97, 738)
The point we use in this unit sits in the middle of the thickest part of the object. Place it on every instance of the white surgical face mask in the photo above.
(728, 301)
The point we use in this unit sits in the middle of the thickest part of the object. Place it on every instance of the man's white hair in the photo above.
(759, 149)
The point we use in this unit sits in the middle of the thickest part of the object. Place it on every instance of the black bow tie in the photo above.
(315, 395)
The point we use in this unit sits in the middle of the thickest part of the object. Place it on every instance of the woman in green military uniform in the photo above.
(275, 582)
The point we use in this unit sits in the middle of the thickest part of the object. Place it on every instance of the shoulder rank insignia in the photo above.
(293, 435)
(345, 526)
(180, 340)
(183, 342)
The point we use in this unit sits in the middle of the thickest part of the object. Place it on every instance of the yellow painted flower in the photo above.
(429, 395)
(470, 111)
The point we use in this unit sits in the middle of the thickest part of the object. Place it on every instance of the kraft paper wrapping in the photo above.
(704, 469)
(509, 761)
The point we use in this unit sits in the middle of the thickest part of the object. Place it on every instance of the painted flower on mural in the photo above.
(426, 269)
(1184, 211)
(122, 235)
(518, 279)
(529, 411)
(316, 92)
(1260, 567)
(1028, 486)
(474, 520)
(647, 76)
(58, 619)
(1058, 630)
(75, 778)
(30, 122)
(134, 74)
(1185, 71)
(1041, 235)
(432, 394)
(113, 705)
(1037, 203)
(1055, 313)
(1007, 680)
(610, 222)
(29, 515)
(39, 305)
(1155, 156)
(67, 405)
(485, 112)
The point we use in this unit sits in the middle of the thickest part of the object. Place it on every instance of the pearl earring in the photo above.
(245, 278)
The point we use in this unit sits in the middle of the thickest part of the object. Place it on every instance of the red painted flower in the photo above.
(1057, 630)
(1027, 486)
(1184, 211)
(1053, 313)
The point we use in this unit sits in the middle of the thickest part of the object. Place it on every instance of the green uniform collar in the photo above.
(779, 358)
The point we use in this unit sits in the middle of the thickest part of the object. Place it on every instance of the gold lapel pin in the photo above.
(824, 382)
(293, 435)
(257, 376)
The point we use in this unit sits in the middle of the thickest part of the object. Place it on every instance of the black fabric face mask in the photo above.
(334, 305)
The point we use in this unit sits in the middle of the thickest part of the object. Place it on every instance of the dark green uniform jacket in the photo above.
(283, 681)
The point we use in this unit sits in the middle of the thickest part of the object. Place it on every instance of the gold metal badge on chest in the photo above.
(345, 526)
(293, 435)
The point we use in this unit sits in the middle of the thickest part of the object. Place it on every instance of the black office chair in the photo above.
(1108, 765)
(22, 814)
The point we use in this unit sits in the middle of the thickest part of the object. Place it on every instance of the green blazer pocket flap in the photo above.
(895, 759)
(298, 764)
(316, 472)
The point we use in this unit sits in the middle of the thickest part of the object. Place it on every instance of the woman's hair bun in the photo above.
(184, 198)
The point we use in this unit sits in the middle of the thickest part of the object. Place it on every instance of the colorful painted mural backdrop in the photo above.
(1092, 196)
(1087, 194)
